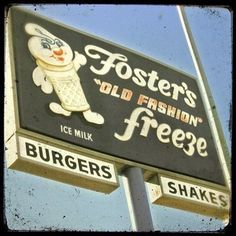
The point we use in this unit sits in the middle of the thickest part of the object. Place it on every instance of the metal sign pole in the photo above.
(207, 97)
(137, 199)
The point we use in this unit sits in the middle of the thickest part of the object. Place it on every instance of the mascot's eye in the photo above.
(46, 45)
(58, 42)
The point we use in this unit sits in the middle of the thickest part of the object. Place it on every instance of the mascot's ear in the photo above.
(36, 30)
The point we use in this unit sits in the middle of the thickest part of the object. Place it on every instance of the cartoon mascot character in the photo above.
(57, 70)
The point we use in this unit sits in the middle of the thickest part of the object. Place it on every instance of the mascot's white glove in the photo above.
(79, 60)
(40, 79)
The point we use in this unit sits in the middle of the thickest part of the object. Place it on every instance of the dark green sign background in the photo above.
(36, 116)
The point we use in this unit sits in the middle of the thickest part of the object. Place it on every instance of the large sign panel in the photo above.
(85, 91)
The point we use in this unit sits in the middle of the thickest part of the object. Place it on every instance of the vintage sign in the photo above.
(82, 90)
(191, 197)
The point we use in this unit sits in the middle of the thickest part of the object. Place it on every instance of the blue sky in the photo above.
(34, 203)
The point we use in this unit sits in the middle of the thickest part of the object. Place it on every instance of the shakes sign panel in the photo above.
(85, 91)
(189, 196)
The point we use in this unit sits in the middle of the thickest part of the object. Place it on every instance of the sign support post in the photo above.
(208, 98)
(137, 199)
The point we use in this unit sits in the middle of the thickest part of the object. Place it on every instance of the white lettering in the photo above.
(83, 135)
(118, 62)
(108, 64)
(180, 139)
(65, 129)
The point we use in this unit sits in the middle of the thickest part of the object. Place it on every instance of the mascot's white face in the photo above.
(47, 47)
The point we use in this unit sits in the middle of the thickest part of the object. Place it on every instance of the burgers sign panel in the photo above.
(86, 91)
